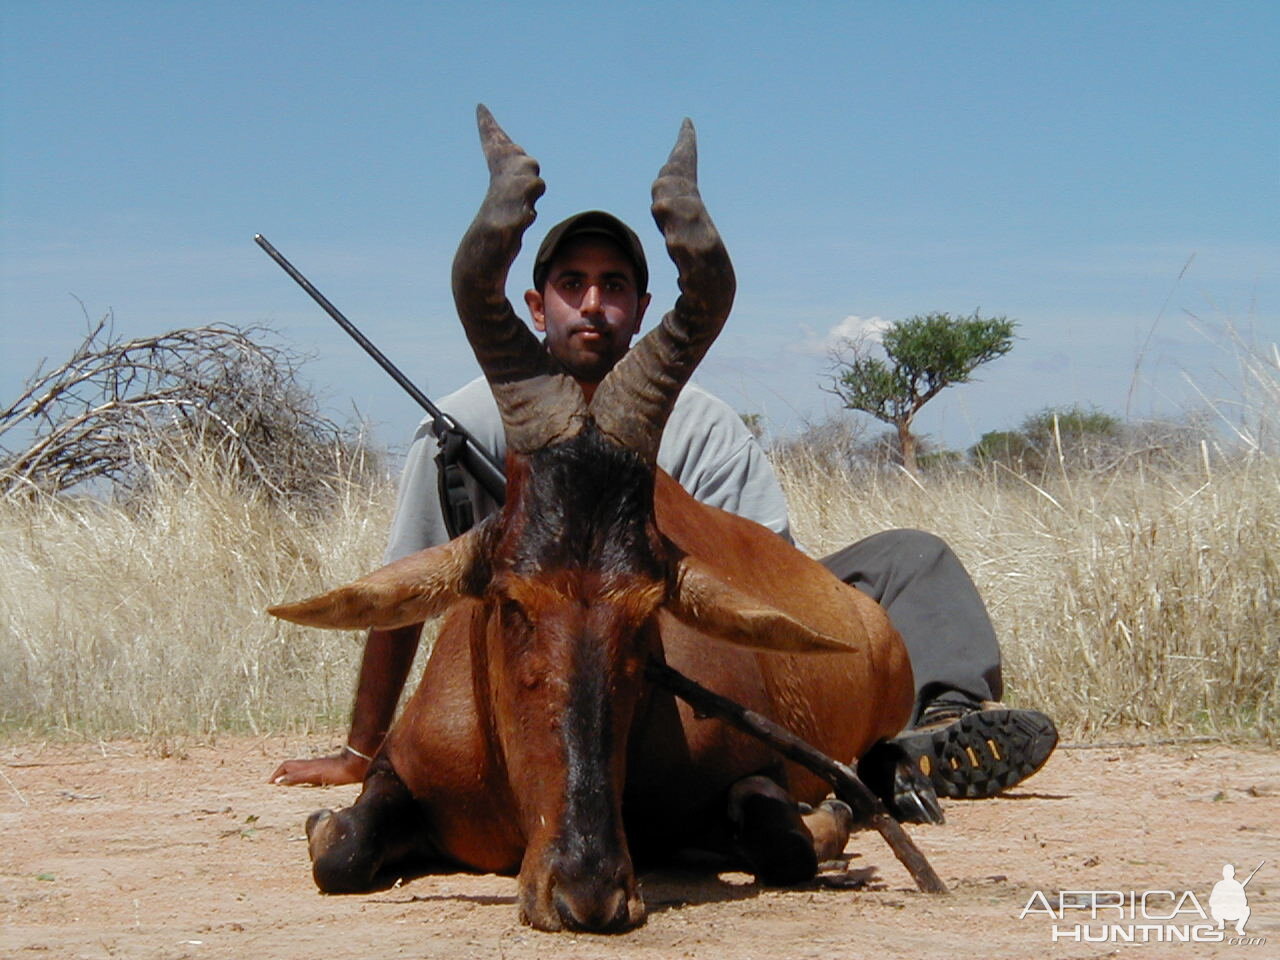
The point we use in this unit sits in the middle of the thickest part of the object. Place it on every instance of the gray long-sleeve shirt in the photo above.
(705, 447)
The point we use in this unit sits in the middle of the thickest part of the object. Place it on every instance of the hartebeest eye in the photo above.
(514, 614)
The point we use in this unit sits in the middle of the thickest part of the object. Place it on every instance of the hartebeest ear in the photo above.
(408, 591)
(704, 600)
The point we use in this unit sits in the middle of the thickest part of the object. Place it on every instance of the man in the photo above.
(589, 296)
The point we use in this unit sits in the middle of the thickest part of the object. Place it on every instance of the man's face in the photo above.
(589, 307)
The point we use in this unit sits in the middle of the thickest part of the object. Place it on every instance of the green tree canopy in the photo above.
(925, 355)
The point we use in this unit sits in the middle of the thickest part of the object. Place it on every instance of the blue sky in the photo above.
(1057, 163)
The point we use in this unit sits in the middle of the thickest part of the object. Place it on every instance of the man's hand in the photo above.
(342, 767)
(388, 655)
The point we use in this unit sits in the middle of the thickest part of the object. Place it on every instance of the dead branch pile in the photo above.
(119, 413)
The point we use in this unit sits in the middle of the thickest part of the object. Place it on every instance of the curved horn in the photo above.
(410, 590)
(538, 406)
(635, 399)
(704, 600)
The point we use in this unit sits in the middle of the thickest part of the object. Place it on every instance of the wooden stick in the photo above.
(865, 804)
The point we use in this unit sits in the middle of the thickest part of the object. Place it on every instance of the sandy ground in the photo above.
(109, 852)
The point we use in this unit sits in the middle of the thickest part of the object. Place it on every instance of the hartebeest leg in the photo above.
(893, 776)
(779, 844)
(830, 822)
(373, 842)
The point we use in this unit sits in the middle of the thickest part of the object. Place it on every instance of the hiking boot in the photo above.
(971, 750)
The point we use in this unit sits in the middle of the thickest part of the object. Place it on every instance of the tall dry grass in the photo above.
(1145, 594)
(1122, 600)
(146, 618)
(1142, 595)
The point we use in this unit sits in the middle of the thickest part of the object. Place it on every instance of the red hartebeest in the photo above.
(533, 742)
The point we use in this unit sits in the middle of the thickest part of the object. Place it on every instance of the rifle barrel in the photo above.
(477, 459)
(1255, 870)
(381, 358)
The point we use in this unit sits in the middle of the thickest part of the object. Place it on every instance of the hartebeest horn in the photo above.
(633, 403)
(703, 599)
(410, 590)
(538, 405)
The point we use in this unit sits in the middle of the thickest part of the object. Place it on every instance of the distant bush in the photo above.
(842, 443)
(1076, 435)
(1011, 448)
(837, 443)
(1078, 439)
(1075, 425)
(933, 461)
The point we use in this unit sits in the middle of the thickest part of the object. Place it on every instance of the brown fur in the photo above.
(447, 751)
(481, 745)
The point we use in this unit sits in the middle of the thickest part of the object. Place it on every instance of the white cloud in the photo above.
(850, 328)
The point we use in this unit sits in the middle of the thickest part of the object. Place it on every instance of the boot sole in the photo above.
(983, 752)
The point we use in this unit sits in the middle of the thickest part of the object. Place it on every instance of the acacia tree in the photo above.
(925, 355)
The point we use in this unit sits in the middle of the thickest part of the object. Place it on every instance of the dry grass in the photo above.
(1145, 594)
(148, 619)
(1125, 599)
(1122, 600)
(1137, 596)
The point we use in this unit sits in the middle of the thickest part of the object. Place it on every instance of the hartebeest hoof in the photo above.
(771, 835)
(830, 824)
(892, 775)
(340, 863)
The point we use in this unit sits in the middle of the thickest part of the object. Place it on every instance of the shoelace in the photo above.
(944, 712)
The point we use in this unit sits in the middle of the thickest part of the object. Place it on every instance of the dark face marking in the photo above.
(578, 571)
(583, 505)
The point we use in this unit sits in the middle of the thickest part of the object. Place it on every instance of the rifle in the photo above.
(457, 445)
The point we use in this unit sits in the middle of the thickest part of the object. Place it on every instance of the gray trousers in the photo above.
(933, 603)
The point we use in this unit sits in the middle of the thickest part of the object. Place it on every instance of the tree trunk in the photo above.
(907, 446)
